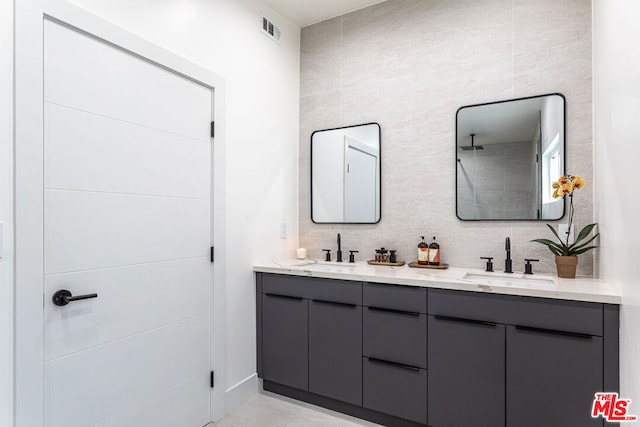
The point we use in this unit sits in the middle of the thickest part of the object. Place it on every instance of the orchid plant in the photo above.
(564, 187)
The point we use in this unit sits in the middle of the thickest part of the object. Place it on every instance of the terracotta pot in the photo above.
(566, 266)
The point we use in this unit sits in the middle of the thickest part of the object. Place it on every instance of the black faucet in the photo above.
(508, 268)
(339, 250)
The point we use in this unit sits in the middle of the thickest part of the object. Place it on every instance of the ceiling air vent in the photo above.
(270, 30)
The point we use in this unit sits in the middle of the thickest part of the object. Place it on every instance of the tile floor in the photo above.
(271, 410)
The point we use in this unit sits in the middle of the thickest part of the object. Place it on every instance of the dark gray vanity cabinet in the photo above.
(552, 377)
(518, 361)
(466, 372)
(310, 335)
(412, 357)
(285, 342)
(335, 350)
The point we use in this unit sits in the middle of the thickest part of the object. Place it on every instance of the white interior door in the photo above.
(360, 184)
(127, 201)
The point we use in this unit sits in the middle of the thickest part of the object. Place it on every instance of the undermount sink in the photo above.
(491, 279)
(324, 265)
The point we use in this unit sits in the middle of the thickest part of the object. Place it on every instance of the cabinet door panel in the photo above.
(335, 351)
(466, 373)
(552, 378)
(285, 347)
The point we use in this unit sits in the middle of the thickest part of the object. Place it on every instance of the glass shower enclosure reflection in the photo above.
(507, 155)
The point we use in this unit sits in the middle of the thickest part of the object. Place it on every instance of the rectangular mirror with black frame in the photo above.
(345, 175)
(508, 153)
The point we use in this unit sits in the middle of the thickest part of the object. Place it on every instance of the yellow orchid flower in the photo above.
(577, 182)
(555, 185)
(564, 190)
(564, 180)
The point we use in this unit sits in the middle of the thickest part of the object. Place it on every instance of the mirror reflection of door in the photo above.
(360, 170)
(345, 175)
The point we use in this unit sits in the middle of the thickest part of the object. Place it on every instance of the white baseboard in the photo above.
(240, 393)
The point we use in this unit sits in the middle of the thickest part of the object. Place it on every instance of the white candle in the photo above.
(301, 253)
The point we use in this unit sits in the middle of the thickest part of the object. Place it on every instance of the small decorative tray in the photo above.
(437, 267)
(390, 264)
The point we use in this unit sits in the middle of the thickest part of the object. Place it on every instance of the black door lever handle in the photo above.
(64, 297)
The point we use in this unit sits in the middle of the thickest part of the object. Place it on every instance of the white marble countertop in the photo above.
(536, 285)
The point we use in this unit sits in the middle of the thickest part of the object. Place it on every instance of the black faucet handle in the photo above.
(328, 254)
(352, 257)
(489, 266)
(528, 268)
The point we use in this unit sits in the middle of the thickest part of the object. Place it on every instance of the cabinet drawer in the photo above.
(344, 291)
(558, 315)
(395, 336)
(395, 390)
(406, 298)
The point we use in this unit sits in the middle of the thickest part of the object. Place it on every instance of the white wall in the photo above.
(6, 211)
(262, 81)
(616, 154)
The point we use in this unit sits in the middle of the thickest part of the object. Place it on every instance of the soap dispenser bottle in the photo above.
(434, 252)
(423, 252)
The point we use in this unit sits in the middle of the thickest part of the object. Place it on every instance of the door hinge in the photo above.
(211, 379)
(212, 252)
(537, 158)
(213, 129)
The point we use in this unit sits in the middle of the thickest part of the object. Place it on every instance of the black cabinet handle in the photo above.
(462, 320)
(394, 286)
(553, 332)
(343, 304)
(64, 297)
(283, 296)
(395, 364)
(391, 310)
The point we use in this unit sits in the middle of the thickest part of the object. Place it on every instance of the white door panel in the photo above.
(360, 186)
(97, 230)
(130, 300)
(87, 387)
(160, 411)
(86, 74)
(127, 215)
(84, 156)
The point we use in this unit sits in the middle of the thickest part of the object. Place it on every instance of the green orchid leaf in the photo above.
(583, 250)
(584, 233)
(555, 233)
(582, 245)
(554, 247)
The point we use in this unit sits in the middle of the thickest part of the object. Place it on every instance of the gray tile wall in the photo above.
(409, 65)
(501, 177)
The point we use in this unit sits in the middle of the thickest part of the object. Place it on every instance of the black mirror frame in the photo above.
(564, 159)
(311, 173)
